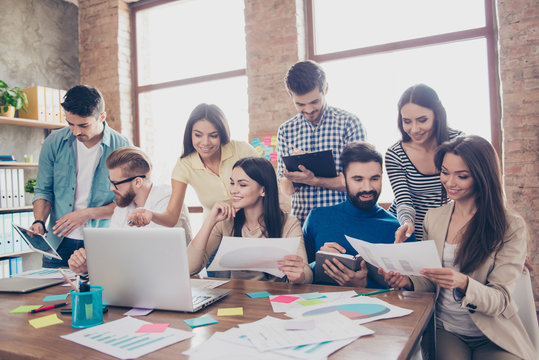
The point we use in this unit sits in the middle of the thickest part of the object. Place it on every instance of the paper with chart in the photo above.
(300, 301)
(255, 254)
(361, 310)
(405, 258)
(119, 338)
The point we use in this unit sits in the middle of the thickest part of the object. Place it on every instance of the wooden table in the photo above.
(393, 338)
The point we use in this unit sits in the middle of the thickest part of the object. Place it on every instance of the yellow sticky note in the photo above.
(238, 311)
(23, 309)
(45, 321)
(274, 140)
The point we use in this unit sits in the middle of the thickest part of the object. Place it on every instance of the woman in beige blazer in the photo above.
(482, 248)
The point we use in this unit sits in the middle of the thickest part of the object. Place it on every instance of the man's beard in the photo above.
(125, 200)
(364, 205)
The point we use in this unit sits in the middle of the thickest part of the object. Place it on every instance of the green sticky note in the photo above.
(237, 311)
(200, 321)
(89, 308)
(311, 302)
(23, 309)
(45, 321)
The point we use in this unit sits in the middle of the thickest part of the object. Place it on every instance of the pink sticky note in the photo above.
(152, 328)
(284, 299)
(267, 140)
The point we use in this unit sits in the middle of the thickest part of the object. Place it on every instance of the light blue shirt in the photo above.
(57, 176)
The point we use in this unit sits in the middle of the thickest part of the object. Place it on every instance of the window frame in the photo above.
(487, 32)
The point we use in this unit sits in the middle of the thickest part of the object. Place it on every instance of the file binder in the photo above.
(36, 104)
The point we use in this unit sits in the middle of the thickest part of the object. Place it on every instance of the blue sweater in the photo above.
(332, 223)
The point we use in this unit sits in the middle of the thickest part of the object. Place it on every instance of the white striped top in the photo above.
(415, 193)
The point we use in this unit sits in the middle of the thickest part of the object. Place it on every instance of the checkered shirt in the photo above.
(335, 129)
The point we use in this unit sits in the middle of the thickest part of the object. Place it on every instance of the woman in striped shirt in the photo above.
(410, 162)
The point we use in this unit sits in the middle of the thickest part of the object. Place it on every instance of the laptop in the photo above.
(25, 285)
(145, 268)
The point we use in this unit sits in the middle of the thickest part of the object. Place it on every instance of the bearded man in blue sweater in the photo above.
(359, 217)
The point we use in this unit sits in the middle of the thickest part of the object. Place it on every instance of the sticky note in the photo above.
(284, 299)
(152, 328)
(201, 321)
(311, 302)
(237, 311)
(255, 141)
(45, 321)
(299, 324)
(260, 294)
(273, 156)
(274, 140)
(259, 150)
(56, 297)
(313, 295)
(138, 312)
(23, 309)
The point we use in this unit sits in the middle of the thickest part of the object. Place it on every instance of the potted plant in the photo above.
(29, 188)
(11, 99)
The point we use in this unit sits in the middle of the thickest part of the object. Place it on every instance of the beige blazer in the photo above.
(488, 296)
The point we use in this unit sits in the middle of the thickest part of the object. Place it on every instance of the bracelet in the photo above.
(42, 224)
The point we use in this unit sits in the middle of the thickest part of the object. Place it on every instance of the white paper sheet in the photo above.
(405, 258)
(46, 273)
(207, 283)
(329, 297)
(238, 253)
(361, 310)
(270, 333)
(119, 338)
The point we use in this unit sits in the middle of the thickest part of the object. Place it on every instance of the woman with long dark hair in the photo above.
(254, 213)
(482, 247)
(422, 122)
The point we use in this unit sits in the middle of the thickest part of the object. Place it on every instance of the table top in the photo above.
(393, 338)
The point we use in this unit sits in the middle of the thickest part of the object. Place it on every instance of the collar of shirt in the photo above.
(226, 153)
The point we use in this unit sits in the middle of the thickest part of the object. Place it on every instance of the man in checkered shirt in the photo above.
(316, 127)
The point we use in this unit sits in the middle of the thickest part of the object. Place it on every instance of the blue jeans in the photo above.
(66, 248)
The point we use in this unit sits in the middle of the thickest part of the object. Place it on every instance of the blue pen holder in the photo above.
(87, 307)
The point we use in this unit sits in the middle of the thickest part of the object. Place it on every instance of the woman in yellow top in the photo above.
(206, 164)
(254, 213)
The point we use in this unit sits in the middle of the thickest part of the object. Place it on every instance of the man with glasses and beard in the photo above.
(129, 175)
(359, 217)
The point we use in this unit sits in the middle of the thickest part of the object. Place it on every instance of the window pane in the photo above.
(163, 114)
(176, 41)
(348, 24)
(370, 86)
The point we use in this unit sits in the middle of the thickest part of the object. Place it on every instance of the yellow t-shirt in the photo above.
(209, 187)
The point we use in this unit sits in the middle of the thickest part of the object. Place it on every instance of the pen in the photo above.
(68, 280)
(43, 308)
(375, 292)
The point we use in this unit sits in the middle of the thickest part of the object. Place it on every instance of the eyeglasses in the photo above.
(116, 183)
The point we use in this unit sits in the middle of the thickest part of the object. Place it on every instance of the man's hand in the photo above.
(333, 247)
(344, 276)
(303, 176)
(70, 221)
(77, 262)
(36, 228)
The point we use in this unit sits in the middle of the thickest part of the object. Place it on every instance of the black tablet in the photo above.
(36, 242)
(321, 163)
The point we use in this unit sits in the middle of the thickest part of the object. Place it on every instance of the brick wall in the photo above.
(105, 57)
(519, 72)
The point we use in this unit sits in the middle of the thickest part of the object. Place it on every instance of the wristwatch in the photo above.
(42, 224)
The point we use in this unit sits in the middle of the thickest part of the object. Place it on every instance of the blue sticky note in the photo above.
(256, 295)
(55, 297)
(311, 296)
(200, 321)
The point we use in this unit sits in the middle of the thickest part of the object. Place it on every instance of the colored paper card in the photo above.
(313, 295)
(274, 140)
(152, 328)
(138, 312)
(285, 299)
(45, 321)
(260, 294)
(273, 156)
(259, 150)
(237, 311)
(255, 142)
(267, 140)
(299, 324)
(56, 297)
(23, 309)
(201, 321)
(311, 302)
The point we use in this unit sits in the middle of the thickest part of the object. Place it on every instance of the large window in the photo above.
(373, 50)
(186, 53)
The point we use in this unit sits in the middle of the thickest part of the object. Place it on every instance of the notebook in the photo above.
(145, 268)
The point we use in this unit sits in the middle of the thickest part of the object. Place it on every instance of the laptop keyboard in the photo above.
(199, 299)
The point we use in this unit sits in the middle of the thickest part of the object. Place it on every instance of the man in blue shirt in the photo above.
(316, 127)
(72, 181)
(359, 217)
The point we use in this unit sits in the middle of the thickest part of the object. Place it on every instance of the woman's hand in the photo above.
(293, 267)
(221, 211)
(447, 278)
(404, 232)
(395, 279)
(139, 217)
